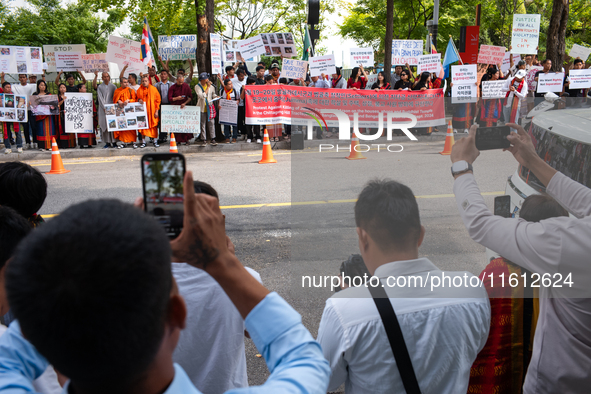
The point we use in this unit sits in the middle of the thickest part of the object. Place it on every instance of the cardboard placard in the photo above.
(95, 62)
(579, 79)
(406, 51)
(228, 112)
(252, 47)
(429, 63)
(490, 54)
(580, 51)
(493, 89)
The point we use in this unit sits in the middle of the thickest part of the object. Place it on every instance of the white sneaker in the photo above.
(7, 151)
(466, 131)
(258, 141)
(27, 146)
(19, 150)
(248, 141)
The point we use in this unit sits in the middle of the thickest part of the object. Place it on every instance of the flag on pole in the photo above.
(146, 55)
(307, 46)
(433, 49)
(451, 56)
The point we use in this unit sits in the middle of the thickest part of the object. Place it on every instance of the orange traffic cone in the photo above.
(449, 140)
(267, 152)
(173, 148)
(57, 166)
(354, 155)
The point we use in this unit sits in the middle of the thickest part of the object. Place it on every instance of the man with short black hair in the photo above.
(275, 72)
(71, 86)
(260, 75)
(26, 89)
(11, 127)
(131, 287)
(162, 86)
(229, 72)
(443, 329)
(577, 97)
(104, 96)
(252, 131)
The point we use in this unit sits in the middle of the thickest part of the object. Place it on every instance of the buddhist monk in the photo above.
(149, 94)
(123, 96)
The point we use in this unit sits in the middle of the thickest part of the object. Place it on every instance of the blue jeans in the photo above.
(9, 129)
(227, 131)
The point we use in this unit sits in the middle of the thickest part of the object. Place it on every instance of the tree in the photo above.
(556, 36)
(388, 40)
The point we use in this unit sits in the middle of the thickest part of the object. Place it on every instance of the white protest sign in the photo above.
(180, 120)
(13, 108)
(525, 33)
(21, 60)
(580, 51)
(322, 65)
(180, 47)
(251, 47)
(95, 62)
(551, 82)
(507, 61)
(579, 79)
(215, 44)
(371, 79)
(132, 116)
(464, 94)
(429, 63)
(490, 54)
(68, 61)
(50, 50)
(406, 51)
(464, 75)
(531, 76)
(361, 56)
(294, 69)
(228, 112)
(122, 52)
(78, 113)
(493, 89)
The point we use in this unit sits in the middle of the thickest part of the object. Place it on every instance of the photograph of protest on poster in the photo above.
(44, 105)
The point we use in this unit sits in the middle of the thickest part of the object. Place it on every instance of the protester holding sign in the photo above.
(337, 81)
(70, 87)
(87, 140)
(9, 127)
(252, 131)
(404, 82)
(516, 89)
(381, 84)
(45, 126)
(578, 64)
(149, 94)
(64, 140)
(180, 94)
(319, 82)
(205, 96)
(358, 78)
(547, 64)
(424, 82)
(104, 95)
(490, 109)
(123, 96)
(25, 89)
(231, 127)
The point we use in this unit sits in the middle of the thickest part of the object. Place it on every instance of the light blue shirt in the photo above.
(294, 358)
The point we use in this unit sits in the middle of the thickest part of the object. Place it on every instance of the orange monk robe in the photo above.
(125, 94)
(151, 97)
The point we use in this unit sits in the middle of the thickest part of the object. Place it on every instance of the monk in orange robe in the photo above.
(149, 94)
(123, 96)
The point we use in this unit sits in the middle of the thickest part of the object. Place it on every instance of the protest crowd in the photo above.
(149, 314)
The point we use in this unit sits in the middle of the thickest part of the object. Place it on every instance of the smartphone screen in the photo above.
(492, 137)
(503, 206)
(162, 181)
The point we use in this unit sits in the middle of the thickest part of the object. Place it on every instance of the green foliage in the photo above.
(46, 22)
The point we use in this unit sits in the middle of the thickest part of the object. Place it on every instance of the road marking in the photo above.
(76, 162)
(318, 202)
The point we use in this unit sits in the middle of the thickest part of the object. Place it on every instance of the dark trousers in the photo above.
(253, 132)
(242, 120)
(162, 137)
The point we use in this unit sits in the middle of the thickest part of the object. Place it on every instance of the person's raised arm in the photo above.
(57, 79)
(94, 84)
(2, 77)
(82, 76)
(122, 73)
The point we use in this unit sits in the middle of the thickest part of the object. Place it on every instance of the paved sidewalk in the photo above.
(98, 151)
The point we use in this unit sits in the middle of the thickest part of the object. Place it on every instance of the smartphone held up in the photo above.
(488, 138)
(162, 182)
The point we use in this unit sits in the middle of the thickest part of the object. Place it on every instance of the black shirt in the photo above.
(400, 84)
(260, 81)
(72, 89)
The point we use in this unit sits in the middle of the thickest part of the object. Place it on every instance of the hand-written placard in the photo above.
(180, 120)
(125, 52)
(68, 61)
(531, 76)
(507, 61)
(551, 82)
(215, 43)
(13, 108)
(406, 51)
(525, 33)
(490, 54)
(322, 65)
(180, 47)
(363, 56)
(580, 51)
(50, 50)
(464, 75)
(294, 69)
(371, 79)
(493, 89)
(78, 113)
(579, 79)
(429, 63)
(229, 112)
(95, 62)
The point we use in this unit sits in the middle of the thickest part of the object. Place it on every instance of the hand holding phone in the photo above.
(488, 138)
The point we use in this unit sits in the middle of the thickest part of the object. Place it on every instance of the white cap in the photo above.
(520, 74)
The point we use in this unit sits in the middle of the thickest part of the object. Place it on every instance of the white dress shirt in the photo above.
(211, 347)
(443, 333)
(562, 344)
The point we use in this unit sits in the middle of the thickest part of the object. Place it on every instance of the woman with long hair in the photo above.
(404, 82)
(45, 123)
(358, 78)
(381, 84)
(490, 109)
(64, 140)
(424, 81)
(87, 140)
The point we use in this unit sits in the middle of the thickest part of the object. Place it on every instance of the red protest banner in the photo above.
(269, 104)
(490, 54)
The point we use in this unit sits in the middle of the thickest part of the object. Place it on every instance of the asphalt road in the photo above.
(314, 235)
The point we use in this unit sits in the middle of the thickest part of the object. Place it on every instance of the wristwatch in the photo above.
(459, 167)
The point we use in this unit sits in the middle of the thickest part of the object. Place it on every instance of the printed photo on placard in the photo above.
(119, 111)
(110, 110)
(268, 50)
(288, 38)
(280, 39)
(272, 39)
(139, 108)
(21, 67)
(230, 57)
(9, 100)
(4, 51)
(264, 38)
(276, 50)
(121, 122)
(9, 114)
(141, 122)
(234, 44)
(112, 123)
(129, 109)
(21, 101)
(21, 115)
(288, 51)
(35, 53)
(1, 100)
(131, 123)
